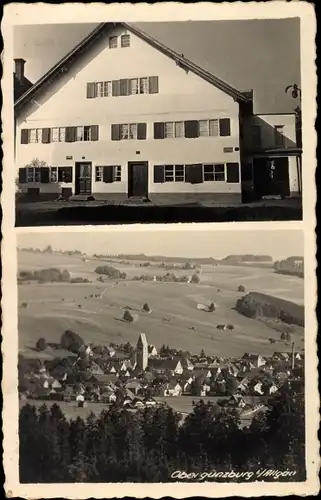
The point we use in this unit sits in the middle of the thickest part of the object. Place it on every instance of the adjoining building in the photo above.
(124, 116)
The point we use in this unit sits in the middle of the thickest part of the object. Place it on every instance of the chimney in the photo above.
(19, 69)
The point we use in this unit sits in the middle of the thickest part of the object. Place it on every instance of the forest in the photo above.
(149, 445)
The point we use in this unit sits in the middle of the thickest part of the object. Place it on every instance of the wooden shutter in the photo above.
(91, 90)
(153, 85)
(94, 132)
(46, 135)
(232, 172)
(115, 88)
(24, 136)
(141, 131)
(191, 129)
(115, 132)
(159, 174)
(71, 134)
(159, 130)
(22, 175)
(225, 127)
(194, 173)
(45, 175)
(67, 174)
(108, 174)
(123, 87)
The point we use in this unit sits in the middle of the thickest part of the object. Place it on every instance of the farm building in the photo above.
(123, 115)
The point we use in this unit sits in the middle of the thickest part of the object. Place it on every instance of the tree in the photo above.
(202, 354)
(41, 344)
(71, 341)
(195, 278)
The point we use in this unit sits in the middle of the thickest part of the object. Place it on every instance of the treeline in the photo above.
(157, 258)
(169, 278)
(254, 305)
(149, 445)
(110, 271)
(50, 275)
(293, 266)
(236, 259)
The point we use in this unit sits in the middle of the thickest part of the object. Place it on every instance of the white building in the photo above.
(123, 115)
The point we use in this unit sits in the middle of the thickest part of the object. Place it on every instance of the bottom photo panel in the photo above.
(158, 355)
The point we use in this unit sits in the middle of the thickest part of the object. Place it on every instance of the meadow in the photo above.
(94, 310)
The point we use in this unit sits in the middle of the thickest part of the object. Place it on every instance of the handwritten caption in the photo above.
(245, 476)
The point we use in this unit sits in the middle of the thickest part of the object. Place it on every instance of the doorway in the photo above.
(271, 177)
(138, 179)
(83, 178)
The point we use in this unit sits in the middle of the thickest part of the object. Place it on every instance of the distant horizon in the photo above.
(277, 243)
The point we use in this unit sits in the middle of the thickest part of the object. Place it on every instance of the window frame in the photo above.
(122, 38)
(213, 172)
(112, 39)
(53, 170)
(99, 173)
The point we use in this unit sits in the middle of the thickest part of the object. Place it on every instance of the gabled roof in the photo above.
(102, 30)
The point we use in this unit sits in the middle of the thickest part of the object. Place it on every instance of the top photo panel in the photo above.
(158, 122)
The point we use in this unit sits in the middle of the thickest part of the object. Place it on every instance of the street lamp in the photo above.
(296, 91)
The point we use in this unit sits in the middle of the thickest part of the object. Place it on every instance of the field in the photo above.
(174, 320)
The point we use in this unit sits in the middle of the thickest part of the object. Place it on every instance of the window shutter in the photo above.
(22, 175)
(153, 85)
(94, 133)
(123, 87)
(91, 90)
(67, 174)
(194, 173)
(115, 88)
(71, 134)
(24, 136)
(225, 127)
(46, 135)
(108, 174)
(159, 174)
(141, 131)
(44, 175)
(159, 130)
(232, 172)
(191, 129)
(115, 132)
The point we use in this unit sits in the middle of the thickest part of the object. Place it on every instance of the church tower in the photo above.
(142, 352)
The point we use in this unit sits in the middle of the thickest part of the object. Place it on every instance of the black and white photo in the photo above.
(123, 120)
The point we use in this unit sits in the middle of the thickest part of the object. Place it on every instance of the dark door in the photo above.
(138, 179)
(271, 177)
(83, 178)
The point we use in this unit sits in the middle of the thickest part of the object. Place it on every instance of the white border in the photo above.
(18, 14)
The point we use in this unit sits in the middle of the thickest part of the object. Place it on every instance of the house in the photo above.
(173, 388)
(152, 351)
(69, 394)
(255, 360)
(158, 365)
(201, 373)
(258, 388)
(243, 385)
(108, 396)
(210, 144)
(104, 379)
(80, 400)
(134, 386)
(237, 400)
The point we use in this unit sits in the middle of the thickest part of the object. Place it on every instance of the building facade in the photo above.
(123, 116)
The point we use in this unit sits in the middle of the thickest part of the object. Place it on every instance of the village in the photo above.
(135, 378)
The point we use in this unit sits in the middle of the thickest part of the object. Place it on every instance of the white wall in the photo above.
(182, 96)
(267, 123)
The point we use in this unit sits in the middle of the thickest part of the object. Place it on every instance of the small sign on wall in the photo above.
(68, 157)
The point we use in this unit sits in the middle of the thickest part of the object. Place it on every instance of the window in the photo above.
(256, 135)
(169, 173)
(109, 173)
(62, 134)
(103, 89)
(133, 86)
(65, 174)
(209, 128)
(214, 172)
(214, 128)
(279, 135)
(53, 174)
(169, 130)
(80, 134)
(203, 128)
(33, 174)
(179, 129)
(128, 131)
(179, 173)
(113, 42)
(35, 135)
(144, 86)
(125, 41)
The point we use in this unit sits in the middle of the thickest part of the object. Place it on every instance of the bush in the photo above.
(71, 341)
(241, 288)
(212, 307)
(41, 344)
(146, 307)
(110, 271)
(130, 318)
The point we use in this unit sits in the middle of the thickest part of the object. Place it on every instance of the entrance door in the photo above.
(271, 176)
(138, 179)
(83, 178)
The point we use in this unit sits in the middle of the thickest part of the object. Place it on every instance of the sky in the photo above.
(177, 243)
(263, 54)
